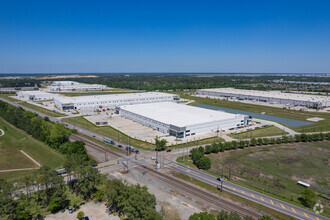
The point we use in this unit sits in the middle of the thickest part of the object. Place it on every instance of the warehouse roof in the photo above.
(274, 94)
(177, 114)
(111, 97)
(36, 93)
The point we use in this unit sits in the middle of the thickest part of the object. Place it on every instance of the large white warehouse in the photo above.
(36, 95)
(312, 101)
(96, 101)
(66, 86)
(181, 120)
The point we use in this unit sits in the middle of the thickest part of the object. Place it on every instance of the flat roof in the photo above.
(177, 114)
(111, 97)
(273, 94)
(36, 93)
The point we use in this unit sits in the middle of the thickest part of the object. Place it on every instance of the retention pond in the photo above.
(286, 121)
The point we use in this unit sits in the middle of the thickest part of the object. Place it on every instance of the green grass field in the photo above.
(15, 139)
(42, 110)
(119, 136)
(276, 169)
(260, 132)
(320, 126)
(7, 96)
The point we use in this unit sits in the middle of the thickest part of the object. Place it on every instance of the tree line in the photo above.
(55, 135)
(202, 162)
(223, 215)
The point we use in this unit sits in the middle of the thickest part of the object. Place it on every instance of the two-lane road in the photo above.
(249, 194)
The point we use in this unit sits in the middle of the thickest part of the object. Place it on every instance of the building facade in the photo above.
(311, 101)
(112, 100)
(36, 95)
(181, 120)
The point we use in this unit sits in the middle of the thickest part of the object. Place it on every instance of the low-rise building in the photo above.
(36, 95)
(112, 100)
(181, 120)
(278, 97)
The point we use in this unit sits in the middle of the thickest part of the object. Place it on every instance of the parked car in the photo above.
(120, 146)
(86, 218)
(70, 209)
(169, 150)
(153, 158)
(93, 165)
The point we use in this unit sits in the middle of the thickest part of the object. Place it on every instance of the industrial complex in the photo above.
(181, 120)
(311, 101)
(36, 95)
(65, 86)
(112, 100)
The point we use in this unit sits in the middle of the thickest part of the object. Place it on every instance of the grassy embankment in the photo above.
(274, 170)
(259, 132)
(7, 96)
(14, 140)
(323, 125)
(119, 136)
(42, 110)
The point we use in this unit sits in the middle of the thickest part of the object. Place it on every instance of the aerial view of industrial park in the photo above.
(164, 110)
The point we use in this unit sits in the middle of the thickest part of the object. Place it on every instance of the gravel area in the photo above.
(175, 204)
(94, 210)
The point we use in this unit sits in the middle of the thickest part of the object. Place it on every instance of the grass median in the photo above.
(259, 132)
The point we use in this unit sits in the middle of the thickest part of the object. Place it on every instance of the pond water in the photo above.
(286, 121)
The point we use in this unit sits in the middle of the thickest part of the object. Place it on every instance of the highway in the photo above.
(251, 195)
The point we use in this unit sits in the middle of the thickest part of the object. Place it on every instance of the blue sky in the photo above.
(66, 36)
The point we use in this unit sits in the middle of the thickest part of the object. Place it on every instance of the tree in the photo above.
(7, 202)
(202, 216)
(80, 215)
(308, 198)
(266, 217)
(160, 144)
(253, 142)
(223, 215)
(204, 163)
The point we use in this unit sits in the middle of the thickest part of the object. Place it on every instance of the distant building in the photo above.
(312, 101)
(181, 120)
(36, 95)
(67, 86)
(112, 100)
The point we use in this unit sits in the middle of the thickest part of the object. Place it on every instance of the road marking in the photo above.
(262, 198)
(272, 202)
(282, 206)
(252, 195)
(305, 214)
(317, 218)
(293, 210)
(243, 192)
(234, 189)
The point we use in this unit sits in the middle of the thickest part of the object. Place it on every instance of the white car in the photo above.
(153, 158)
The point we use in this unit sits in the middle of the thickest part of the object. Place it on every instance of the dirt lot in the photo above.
(94, 210)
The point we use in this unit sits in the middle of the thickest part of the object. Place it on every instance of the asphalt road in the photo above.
(263, 199)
